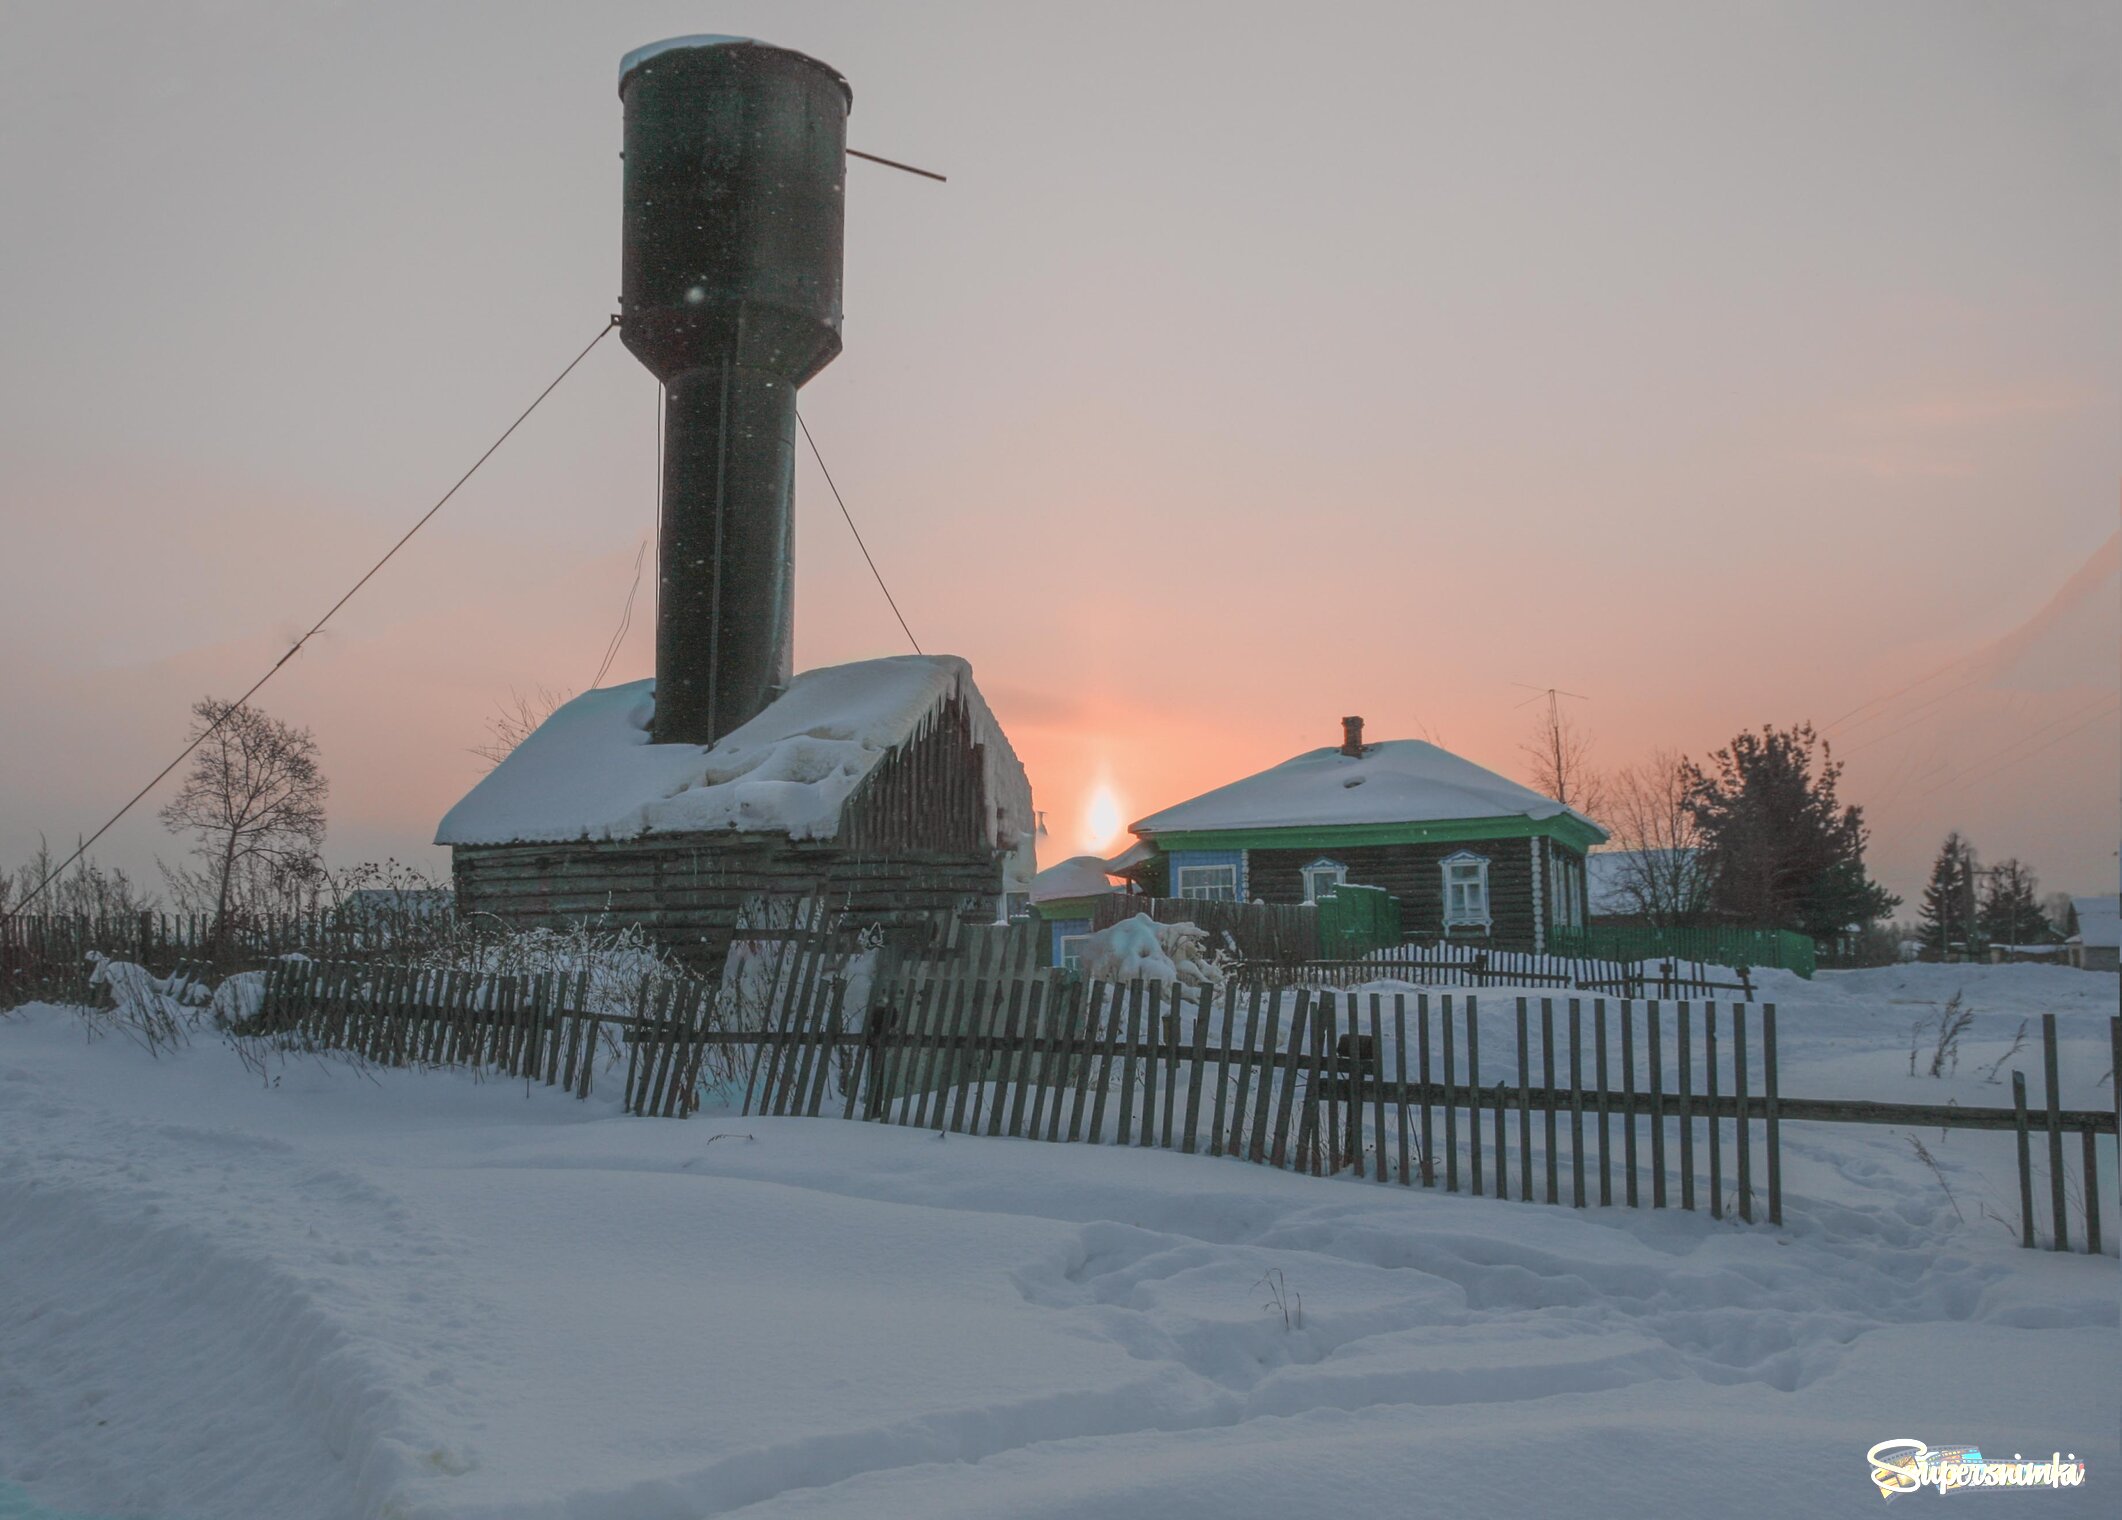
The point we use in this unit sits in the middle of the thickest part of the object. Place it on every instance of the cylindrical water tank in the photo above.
(730, 293)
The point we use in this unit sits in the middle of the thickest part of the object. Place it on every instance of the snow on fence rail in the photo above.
(1446, 966)
(1589, 1100)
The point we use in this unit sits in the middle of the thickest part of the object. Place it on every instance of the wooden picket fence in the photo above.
(1609, 1101)
(539, 1027)
(47, 956)
(1438, 966)
(527, 1027)
(1589, 1100)
(1384, 1085)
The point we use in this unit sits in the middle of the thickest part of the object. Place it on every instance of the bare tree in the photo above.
(253, 802)
(87, 890)
(1661, 873)
(1561, 762)
(514, 720)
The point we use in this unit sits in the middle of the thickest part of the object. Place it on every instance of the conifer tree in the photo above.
(1950, 892)
(2011, 908)
(1781, 849)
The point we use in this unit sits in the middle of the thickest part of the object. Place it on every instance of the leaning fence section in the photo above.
(536, 1028)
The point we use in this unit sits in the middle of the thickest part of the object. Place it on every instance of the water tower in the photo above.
(734, 204)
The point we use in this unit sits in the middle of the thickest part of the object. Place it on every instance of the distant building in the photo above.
(2097, 946)
(1645, 886)
(1470, 855)
(1065, 897)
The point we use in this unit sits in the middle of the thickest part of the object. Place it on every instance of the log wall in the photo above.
(913, 841)
(1414, 873)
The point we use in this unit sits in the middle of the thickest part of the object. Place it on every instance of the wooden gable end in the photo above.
(927, 797)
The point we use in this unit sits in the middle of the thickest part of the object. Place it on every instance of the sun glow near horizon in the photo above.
(1101, 817)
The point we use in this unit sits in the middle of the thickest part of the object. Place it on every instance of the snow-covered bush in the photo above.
(239, 999)
(142, 1001)
(1140, 947)
(621, 964)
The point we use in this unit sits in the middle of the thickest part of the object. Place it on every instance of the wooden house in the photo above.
(1065, 898)
(887, 785)
(2097, 946)
(1470, 855)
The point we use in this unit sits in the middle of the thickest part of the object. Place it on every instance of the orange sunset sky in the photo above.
(1256, 366)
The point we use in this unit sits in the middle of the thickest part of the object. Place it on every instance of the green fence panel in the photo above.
(1355, 920)
(1717, 945)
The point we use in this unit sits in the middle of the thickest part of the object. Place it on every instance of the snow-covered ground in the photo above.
(413, 1294)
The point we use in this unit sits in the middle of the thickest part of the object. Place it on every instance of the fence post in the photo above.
(1099, 1055)
(1525, 1110)
(1744, 1136)
(2092, 1192)
(1128, 1074)
(1576, 1103)
(1422, 1075)
(1709, 1092)
(1451, 1100)
(2026, 1171)
(1299, 1030)
(1684, 1071)
(1656, 1058)
(1204, 1004)
(1599, 1075)
(1472, 1009)
(1377, 1055)
(2114, 1082)
(1548, 1115)
(1775, 1113)
(2055, 1132)
(1400, 1076)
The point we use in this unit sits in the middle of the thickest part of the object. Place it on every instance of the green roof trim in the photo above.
(1070, 907)
(1564, 828)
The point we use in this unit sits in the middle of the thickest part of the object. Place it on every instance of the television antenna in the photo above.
(1552, 693)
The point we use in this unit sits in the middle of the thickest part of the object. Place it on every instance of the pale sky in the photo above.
(1727, 364)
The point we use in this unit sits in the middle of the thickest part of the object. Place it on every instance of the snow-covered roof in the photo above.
(1081, 876)
(1130, 857)
(1398, 781)
(589, 772)
(2099, 921)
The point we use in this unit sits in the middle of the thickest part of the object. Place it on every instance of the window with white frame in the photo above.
(1321, 877)
(1219, 883)
(1569, 894)
(1465, 890)
(1070, 951)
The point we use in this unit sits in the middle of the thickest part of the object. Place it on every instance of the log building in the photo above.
(1471, 856)
(886, 785)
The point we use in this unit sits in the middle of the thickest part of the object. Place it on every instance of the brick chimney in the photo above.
(1352, 736)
